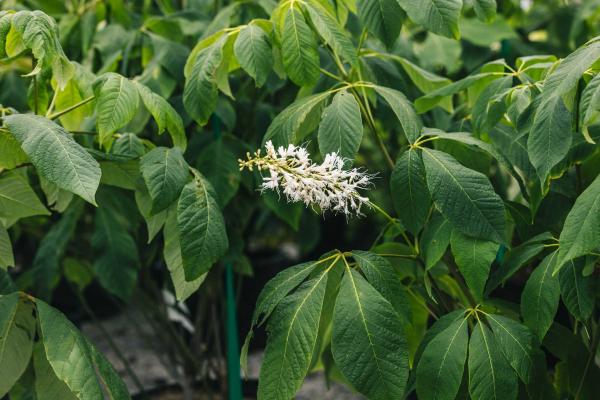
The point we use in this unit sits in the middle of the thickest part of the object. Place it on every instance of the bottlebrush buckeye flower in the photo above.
(327, 185)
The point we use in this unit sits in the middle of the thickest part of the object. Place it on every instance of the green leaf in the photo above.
(55, 155)
(474, 258)
(409, 191)
(17, 198)
(581, 231)
(435, 239)
(7, 258)
(485, 9)
(517, 342)
(426, 81)
(366, 342)
(292, 338)
(577, 290)
(74, 361)
(341, 128)
(154, 222)
(437, 16)
(589, 106)
(123, 174)
(11, 154)
(440, 368)
(201, 228)
(465, 197)
(382, 18)
(164, 114)
(299, 49)
(290, 125)
(165, 173)
(200, 92)
(7, 286)
(17, 332)
(404, 111)
(490, 375)
(172, 256)
(331, 31)
(253, 51)
(117, 102)
(382, 276)
(220, 166)
(47, 385)
(540, 297)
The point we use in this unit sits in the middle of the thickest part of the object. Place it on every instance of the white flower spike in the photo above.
(327, 185)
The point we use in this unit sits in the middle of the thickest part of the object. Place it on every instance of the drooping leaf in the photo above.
(253, 51)
(292, 338)
(55, 155)
(581, 231)
(47, 385)
(165, 173)
(540, 297)
(438, 16)
(17, 198)
(341, 128)
(440, 368)
(465, 197)
(201, 228)
(299, 49)
(490, 375)
(366, 344)
(117, 102)
(154, 222)
(435, 239)
(408, 118)
(577, 291)
(474, 258)
(382, 18)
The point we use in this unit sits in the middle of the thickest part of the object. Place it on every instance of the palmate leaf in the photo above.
(17, 198)
(438, 16)
(409, 190)
(440, 368)
(465, 197)
(55, 155)
(117, 102)
(341, 128)
(366, 342)
(490, 375)
(253, 51)
(382, 18)
(17, 332)
(292, 331)
(201, 228)
(299, 49)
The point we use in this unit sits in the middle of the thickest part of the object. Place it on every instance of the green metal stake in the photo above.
(234, 381)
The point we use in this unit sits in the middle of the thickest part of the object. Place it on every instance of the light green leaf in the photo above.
(438, 16)
(11, 154)
(201, 228)
(299, 49)
(299, 118)
(253, 51)
(17, 332)
(200, 92)
(517, 342)
(47, 385)
(77, 89)
(409, 191)
(426, 81)
(440, 368)
(341, 128)
(485, 9)
(17, 198)
(165, 173)
(331, 31)
(465, 197)
(383, 18)
(581, 231)
(164, 114)
(540, 297)
(589, 106)
(474, 258)
(172, 256)
(7, 258)
(408, 118)
(292, 339)
(486, 33)
(55, 155)
(577, 290)
(367, 343)
(117, 102)
(435, 239)
(490, 375)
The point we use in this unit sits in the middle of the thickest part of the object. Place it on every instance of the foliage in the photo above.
(480, 117)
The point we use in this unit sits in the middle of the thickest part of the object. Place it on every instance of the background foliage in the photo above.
(122, 126)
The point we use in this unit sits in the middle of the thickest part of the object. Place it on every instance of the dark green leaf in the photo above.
(299, 49)
(577, 290)
(341, 128)
(382, 18)
(253, 51)
(438, 16)
(408, 118)
(435, 239)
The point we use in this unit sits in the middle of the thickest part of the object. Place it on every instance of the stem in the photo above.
(393, 221)
(332, 76)
(51, 106)
(422, 303)
(73, 107)
(35, 95)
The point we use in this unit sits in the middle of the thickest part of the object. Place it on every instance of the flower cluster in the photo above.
(327, 185)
